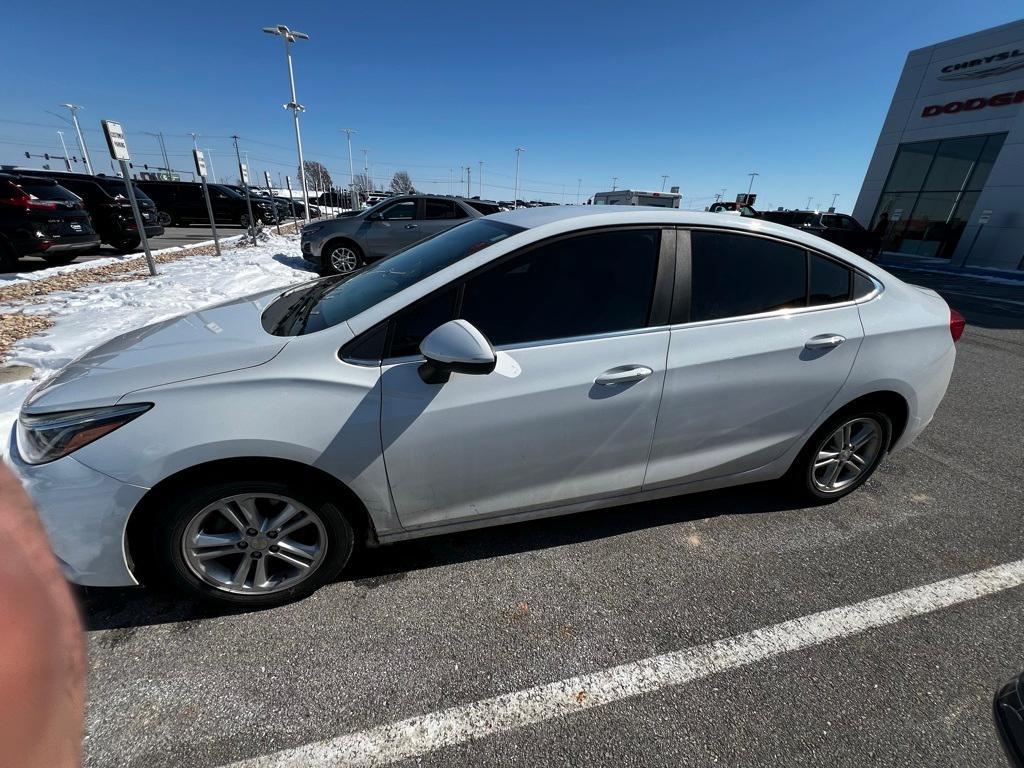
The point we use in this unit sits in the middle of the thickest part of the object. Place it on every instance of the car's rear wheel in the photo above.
(842, 454)
(60, 259)
(164, 219)
(249, 543)
(126, 244)
(341, 257)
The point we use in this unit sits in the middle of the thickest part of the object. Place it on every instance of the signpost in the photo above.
(243, 174)
(291, 198)
(273, 200)
(197, 155)
(119, 151)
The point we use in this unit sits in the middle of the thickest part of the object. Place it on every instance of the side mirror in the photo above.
(455, 347)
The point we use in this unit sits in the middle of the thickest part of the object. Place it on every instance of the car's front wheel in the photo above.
(842, 454)
(249, 543)
(341, 257)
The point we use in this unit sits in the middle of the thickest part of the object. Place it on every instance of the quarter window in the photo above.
(829, 281)
(440, 209)
(735, 275)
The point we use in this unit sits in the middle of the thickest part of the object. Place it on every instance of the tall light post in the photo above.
(750, 186)
(78, 131)
(579, 186)
(664, 179)
(809, 199)
(209, 160)
(834, 196)
(351, 172)
(290, 36)
(480, 180)
(366, 172)
(515, 195)
(615, 182)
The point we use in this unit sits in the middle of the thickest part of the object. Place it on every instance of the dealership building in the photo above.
(946, 180)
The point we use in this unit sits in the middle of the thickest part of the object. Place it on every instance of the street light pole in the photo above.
(163, 149)
(579, 186)
(664, 179)
(480, 181)
(351, 172)
(615, 182)
(809, 202)
(243, 173)
(78, 131)
(752, 174)
(290, 36)
(67, 157)
(469, 183)
(834, 196)
(366, 173)
(515, 197)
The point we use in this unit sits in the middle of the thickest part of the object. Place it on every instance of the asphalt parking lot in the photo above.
(426, 626)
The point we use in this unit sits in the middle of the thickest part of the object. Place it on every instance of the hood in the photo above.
(222, 338)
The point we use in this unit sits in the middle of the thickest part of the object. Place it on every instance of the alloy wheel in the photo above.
(163, 218)
(846, 454)
(256, 543)
(344, 259)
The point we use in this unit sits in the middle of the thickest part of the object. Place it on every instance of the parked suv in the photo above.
(40, 217)
(106, 200)
(837, 228)
(341, 245)
(181, 203)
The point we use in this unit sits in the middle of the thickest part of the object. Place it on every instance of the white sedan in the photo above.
(531, 363)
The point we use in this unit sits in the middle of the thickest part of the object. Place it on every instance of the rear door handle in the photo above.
(624, 374)
(825, 341)
(412, 226)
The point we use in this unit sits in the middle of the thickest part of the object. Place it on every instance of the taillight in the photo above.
(956, 325)
(24, 201)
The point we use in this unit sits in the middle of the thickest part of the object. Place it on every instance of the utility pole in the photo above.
(351, 172)
(752, 174)
(78, 131)
(809, 202)
(290, 36)
(664, 179)
(834, 196)
(469, 173)
(67, 158)
(366, 173)
(480, 180)
(615, 181)
(579, 187)
(515, 199)
(451, 180)
(159, 136)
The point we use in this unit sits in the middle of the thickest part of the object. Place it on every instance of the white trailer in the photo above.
(636, 197)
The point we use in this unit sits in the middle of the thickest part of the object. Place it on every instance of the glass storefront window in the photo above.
(931, 191)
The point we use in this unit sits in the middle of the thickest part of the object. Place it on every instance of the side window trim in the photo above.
(682, 296)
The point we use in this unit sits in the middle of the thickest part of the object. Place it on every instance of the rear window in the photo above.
(47, 191)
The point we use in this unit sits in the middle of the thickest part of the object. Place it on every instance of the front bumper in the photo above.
(84, 513)
(311, 251)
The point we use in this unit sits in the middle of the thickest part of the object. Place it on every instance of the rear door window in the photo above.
(440, 209)
(829, 281)
(735, 275)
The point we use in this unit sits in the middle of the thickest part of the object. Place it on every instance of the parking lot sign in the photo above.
(197, 155)
(243, 173)
(115, 140)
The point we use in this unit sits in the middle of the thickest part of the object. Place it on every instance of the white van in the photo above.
(635, 197)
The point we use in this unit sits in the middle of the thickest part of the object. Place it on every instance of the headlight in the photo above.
(45, 437)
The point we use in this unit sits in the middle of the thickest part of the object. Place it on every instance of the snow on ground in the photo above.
(88, 316)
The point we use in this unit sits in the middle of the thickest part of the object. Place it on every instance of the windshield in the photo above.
(329, 302)
(226, 190)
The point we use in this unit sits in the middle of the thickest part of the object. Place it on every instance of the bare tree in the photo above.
(401, 184)
(362, 184)
(317, 176)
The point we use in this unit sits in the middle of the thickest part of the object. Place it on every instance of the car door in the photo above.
(567, 415)
(764, 336)
(392, 228)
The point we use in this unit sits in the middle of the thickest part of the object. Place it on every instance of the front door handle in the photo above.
(825, 341)
(412, 226)
(625, 374)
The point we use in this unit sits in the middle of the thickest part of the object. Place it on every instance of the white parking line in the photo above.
(426, 733)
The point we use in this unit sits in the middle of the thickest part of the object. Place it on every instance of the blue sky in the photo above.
(704, 92)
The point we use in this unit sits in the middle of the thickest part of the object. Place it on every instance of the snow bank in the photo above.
(88, 316)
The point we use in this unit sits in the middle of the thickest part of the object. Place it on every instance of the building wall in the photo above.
(957, 71)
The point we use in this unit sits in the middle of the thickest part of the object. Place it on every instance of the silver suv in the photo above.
(344, 244)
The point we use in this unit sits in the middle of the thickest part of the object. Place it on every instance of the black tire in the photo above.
(8, 258)
(165, 566)
(126, 244)
(60, 259)
(801, 475)
(327, 266)
(164, 219)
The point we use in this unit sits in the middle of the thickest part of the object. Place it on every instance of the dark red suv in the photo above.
(40, 217)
